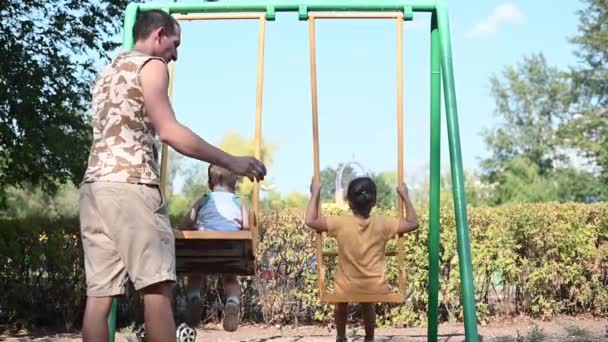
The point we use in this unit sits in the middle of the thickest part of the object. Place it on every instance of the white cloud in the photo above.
(505, 13)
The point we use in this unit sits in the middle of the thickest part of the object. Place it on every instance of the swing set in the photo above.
(234, 252)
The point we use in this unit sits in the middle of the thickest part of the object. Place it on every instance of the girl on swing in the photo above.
(361, 239)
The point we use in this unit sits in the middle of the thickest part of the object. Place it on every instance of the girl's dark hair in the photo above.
(361, 195)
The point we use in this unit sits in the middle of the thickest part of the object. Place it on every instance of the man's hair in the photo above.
(148, 21)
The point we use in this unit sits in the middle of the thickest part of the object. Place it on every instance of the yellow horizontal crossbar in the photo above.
(355, 15)
(334, 253)
(212, 235)
(219, 16)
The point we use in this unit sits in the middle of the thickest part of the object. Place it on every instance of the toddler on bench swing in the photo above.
(218, 210)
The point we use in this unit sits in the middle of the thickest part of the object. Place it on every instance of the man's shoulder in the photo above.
(134, 61)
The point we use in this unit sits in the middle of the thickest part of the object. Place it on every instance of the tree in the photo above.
(521, 182)
(195, 186)
(273, 200)
(592, 51)
(579, 186)
(236, 144)
(47, 50)
(477, 192)
(195, 173)
(533, 100)
(530, 147)
(328, 181)
(588, 129)
(386, 184)
(296, 200)
(549, 113)
(30, 201)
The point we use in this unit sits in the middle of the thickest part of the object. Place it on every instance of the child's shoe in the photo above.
(232, 313)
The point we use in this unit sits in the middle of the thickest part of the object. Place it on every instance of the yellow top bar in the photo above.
(219, 16)
(355, 15)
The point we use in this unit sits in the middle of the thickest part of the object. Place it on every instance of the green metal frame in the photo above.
(441, 70)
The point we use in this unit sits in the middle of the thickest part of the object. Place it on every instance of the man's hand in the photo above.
(248, 167)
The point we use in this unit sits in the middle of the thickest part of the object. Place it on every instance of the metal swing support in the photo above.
(441, 72)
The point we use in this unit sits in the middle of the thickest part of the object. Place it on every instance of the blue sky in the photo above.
(215, 79)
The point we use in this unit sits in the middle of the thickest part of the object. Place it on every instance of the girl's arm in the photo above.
(313, 217)
(410, 222)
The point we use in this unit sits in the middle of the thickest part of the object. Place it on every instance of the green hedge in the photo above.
(538, 260)
(41, 272)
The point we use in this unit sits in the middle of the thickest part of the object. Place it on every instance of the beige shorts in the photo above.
(126, 234)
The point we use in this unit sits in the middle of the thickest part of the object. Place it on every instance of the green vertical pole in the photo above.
(460, 205)
(127, 29)
(127, 44)
(112, 320)
(434, 223)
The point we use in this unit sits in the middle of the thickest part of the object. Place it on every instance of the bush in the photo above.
(540, 260)
(41, 272)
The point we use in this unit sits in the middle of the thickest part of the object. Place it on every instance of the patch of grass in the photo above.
(535, 335)
(576, 331)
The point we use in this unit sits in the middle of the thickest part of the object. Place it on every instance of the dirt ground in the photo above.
(565, 329)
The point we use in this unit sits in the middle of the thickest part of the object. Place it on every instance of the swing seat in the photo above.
(354, 298)
(212, 252)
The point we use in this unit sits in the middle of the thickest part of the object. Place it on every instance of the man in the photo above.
(125, 228)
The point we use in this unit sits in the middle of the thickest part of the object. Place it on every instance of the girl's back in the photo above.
(361, 246)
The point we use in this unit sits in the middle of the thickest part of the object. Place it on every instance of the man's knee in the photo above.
(99, 306)
(164, 288)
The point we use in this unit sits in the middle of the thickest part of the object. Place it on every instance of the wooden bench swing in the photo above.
(213, 252)
(321, 254)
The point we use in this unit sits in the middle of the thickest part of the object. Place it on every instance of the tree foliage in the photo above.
(328, 181)
(48, 49)
(385, 185)
(532, 101)
(551, 143)
(194, 172)
(588, 129)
